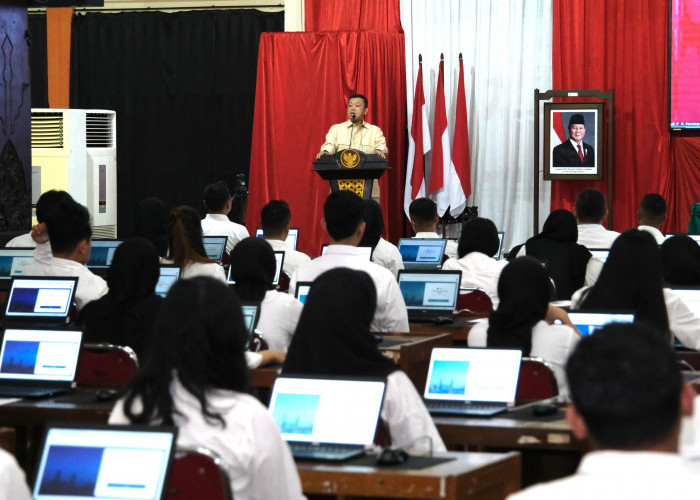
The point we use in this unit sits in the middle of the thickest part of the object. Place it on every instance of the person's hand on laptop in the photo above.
(555, 313)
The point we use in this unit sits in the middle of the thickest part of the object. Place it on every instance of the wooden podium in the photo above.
(351, 170)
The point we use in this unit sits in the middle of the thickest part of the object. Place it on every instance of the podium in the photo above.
(351, 170)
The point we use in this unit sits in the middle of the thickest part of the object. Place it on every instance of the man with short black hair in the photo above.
(44, 205)
(651, 214)
(424, 219)
(591, 210)
(218, 202)
(275, 219)
(628, 399)
(343, 221)
(68, 227)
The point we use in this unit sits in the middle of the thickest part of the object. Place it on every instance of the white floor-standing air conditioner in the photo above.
(75, 150)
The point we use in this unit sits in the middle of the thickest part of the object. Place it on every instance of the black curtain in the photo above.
(183, 87)
(37, 61)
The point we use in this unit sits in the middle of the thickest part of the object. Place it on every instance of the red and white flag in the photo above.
(444, 187)
(418, 146)
(460, 142)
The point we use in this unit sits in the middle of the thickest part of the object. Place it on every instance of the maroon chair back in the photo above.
(476, 300)
(198, 474)
(106, 365)
(536, 381)
(283, 285)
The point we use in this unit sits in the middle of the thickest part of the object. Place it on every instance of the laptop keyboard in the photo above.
(28, 392)
(324, 451)
(469, 409)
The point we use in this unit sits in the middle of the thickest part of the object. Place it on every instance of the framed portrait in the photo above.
(573, 140)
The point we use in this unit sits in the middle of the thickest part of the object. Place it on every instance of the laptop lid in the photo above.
(690, 297)
(302, 290)
(13, 260)
(279, 263)
(589, 321)
(422, 251)
(474, 375)
(292, 237)
(600, 253)
(430, 290)
(34, 298)
(104, 461)
(251, 315)
(501, 235)
(364, 251)
(327, 410)
(215, 246)
(166, 279)
(101, 253)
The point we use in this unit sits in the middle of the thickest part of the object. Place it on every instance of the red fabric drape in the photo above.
(303, 83)
(349, 15)
(684, 181)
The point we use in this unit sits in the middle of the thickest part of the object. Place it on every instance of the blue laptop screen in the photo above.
(423, 251)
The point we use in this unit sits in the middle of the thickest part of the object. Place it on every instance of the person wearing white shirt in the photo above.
(13, 484)
(591, 210)
(44, 205)
(424, 219)
(383, 253)
(218, 202)
(22, 241)
(343, 212)
(651, 214)
(628, 400)
(275, 219)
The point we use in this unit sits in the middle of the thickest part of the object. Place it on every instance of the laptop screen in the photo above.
(691, 298)
(327, 410)
(589, 322)
(279, 262)
(167, 278)
(292, 237)
(32, 297)
(364, 251)
(501, 234)
(215, 246)
(101, 253)
(39, 354)
(102, 461)
(250, 316)
(437, 290)
(302, 290)
(600, 253)
(13, 260)
(422, 250)
(483, 375)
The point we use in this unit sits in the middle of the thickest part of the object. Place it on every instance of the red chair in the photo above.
(474, 300)
(536, 381)
(106, 365)
(283, 285)
(196, 474)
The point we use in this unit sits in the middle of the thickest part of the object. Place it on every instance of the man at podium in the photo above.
(356, 133)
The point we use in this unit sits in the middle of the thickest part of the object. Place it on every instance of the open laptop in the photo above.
(102, 461)
(40, 299)
(422, 253)
(600, 253)
(166, 279)
(364, 251)
(12, 261)
(471, 382)
(588, 322)
(38, 362)
(279, 264)
(101, 254)
(327, 418)
(501, 235)
(215, 247)
(430, 295)
(302, 290)
(251, 315)
(292, 237)
(690, 297)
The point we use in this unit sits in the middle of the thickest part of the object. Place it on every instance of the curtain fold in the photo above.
(303, 83)
(38, 64)
(349, 15)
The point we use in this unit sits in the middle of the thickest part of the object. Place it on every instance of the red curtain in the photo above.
(303, 83)
(349, 15)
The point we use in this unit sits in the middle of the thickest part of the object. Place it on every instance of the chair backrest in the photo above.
(106, 365)
(475, 300)
(536, 381)
(283, 285)
(196, 474)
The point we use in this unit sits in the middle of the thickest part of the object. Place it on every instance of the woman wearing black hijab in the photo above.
(566, 262)
(150, 224)
(125, 315)
(680, 255)
(333, 338)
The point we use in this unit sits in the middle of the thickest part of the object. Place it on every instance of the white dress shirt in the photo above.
(658, 235)
(194, 269)
(258, 460)
(388, 256)
(479, 270)
(21, 241)
(13, 485)
(279, 315)
(450, 247)
(391, 315)
(220, 225)
(292, 258)
(595, 236)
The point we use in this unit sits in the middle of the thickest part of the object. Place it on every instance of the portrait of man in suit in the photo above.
(573, 152)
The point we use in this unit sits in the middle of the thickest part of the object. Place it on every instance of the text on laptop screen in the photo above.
(40, 297)
(103, 463)
(589, 322)
(480, 375)
(291, 240)
(214, 246)
(166, 279)
(12, 261)
(424, 251)
(327, 411)
(691, 298)
(438, 290)
(39, 354)
(364, 251)
(102, 252)
(302, 291)
(601, 254)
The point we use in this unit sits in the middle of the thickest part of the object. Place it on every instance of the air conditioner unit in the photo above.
(75, 150)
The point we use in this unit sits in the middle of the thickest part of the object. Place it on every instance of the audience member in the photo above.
(275, 219)
(343, 212)
(628, 399)
(680, 255)
(197, 380)
(524, 319)
(68, 228)
(383, 253)
(424, 219)
(125, 315)
(651, 214)
(333, 338)
(13, 485)
(218, 202)
(151, 224)
(44, 205)
(591, 210)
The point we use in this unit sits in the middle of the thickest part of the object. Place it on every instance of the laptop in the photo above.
(251, 315)
(690, 297)
(588, 322)
(38, 362)
(12, 262)
(472, 382)
(422, 253)
(430, 295)
(279, 263)
(364, 251)
(327, 418)
(501, 235)
(40, 299)
(215, 247)
(104, 461)
(166, 279)
(600, 253)
(292, 237)
(101, 254)
(302, 290)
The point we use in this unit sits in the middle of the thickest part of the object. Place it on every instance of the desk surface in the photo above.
(470, 475)
(459, 330)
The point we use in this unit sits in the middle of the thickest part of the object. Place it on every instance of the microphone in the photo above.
(352, 127)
